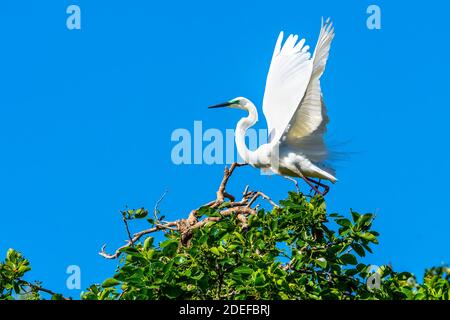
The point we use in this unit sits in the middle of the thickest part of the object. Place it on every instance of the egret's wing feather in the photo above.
(287, 80)
(308, 125)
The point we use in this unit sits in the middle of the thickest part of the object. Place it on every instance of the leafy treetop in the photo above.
(229, 249)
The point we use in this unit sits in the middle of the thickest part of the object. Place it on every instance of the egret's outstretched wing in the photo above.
(287, 80)
(308, 125)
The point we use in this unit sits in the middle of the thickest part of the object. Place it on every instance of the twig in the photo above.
(156, 208)
(128, 229)
(135, 238)
(260, 194)
(39, 288)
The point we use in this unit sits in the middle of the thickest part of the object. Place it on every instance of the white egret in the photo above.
(295, 113)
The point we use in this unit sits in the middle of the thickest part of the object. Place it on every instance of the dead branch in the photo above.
(242, 209)
(221, 193)
(260, 194)
(156, 208)
(135, 238)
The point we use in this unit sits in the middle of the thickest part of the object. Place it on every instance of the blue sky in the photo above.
(86, 118)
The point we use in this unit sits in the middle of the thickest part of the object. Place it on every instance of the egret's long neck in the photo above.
(241, 129)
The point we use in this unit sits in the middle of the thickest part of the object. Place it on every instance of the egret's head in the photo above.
(236, 103)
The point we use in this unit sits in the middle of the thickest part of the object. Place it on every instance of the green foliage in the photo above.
(295, 251)
(12, 269)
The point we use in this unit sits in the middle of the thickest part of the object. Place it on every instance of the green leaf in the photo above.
(215, 251)
(198, 276)
(140, 213)
(260, 280)
(110, 282)
(170, 246)
(179, 259)
(148, 243)
(358, 249)
(366, 219)
(131, 251)
(169, 242)
(348, 259)
(243, 270)
(355, 216)
(321, 262)
(10, 254)
(172, 292)
(16, 287)
(369, 237)
(344, 222)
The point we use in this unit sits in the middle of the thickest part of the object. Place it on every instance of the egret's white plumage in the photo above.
(294, 109)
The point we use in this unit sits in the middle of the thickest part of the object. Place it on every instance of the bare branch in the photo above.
(221, 193)
(127, 228)
(156, 208)
(260, 194)
(242, 209)
(135, 238)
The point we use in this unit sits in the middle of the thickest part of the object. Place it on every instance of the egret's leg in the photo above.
(300, 174)
(319, 181)
(312, 185)
(312, 193)
(324, 186)
(294, 181)
(311, 190)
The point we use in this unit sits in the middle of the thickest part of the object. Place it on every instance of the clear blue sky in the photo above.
(86, 118)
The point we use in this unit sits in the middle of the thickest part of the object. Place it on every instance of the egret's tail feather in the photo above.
(327, 173)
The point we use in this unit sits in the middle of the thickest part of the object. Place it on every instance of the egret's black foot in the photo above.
(318, 184)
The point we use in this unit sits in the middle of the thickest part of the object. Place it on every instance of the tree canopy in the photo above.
(229, 249)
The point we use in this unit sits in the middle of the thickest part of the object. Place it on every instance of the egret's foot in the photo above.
(313, 187)
(326, 188)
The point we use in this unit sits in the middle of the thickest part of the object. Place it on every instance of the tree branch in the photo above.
(39, 288)
(242, 209)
